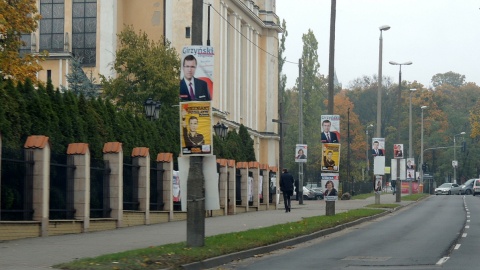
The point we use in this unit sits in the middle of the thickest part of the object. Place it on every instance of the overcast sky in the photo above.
(436, 35)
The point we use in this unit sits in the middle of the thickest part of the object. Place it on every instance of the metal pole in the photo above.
(399, 101)
(410, 148)
(454, 158)
(421, 149)
(300, 131)
(379, 92)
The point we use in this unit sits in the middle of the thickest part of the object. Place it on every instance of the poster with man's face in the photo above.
(196, 73)
(330, 128)
(378, 147)
(331, 157)
(196, 128)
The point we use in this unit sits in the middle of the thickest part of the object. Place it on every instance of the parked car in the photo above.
(449, 189)
(318, 193)
(307, 194)
(467, 187)
(476, 187)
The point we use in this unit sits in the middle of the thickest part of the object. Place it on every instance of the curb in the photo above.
(224, 259)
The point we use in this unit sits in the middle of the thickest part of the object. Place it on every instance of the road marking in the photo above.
(467, 227)
(464, 235)
(468, 220)
(457, 246)
(442, 260)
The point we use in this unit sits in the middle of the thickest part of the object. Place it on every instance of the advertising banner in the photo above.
(301, 153)
(196, 128)
(330, 128)
(330, 182)
(196, 83)
(331, 157)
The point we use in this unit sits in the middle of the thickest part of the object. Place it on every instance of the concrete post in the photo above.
(113, 154)
(232, 187)
(81, 182)
(141, 158)
(165, 162)
(265, 185)
(223, 185)
(243, 167)
(253, 168)
(39, 148)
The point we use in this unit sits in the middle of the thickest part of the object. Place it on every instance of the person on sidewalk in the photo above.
(286, 186)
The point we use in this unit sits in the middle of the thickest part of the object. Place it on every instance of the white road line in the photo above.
(464, 235)
(467, 227)
(457, 246)
(442, 260)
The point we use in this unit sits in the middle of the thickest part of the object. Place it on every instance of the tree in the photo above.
(78, 82)
(16, 19)
(452, 78)
(145, 69)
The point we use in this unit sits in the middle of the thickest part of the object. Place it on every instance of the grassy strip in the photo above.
(172, 256)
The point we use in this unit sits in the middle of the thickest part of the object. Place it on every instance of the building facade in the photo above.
(244, 34)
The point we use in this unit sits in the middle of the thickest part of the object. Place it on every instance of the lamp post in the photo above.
(367, 150)
(220, 130)
(421, 147)
(379, 92)
(152, 109)
(399, 90)
(455, 162)
(410, 148)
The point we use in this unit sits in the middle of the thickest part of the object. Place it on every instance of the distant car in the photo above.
(476, 187)
(307, 194)
(318, 193)
(448, 189)
(467, 187)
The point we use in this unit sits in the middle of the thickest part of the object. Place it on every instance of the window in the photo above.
(84, 32)
(52, 25)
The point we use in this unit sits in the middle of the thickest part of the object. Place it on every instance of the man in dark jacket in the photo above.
(286, 186)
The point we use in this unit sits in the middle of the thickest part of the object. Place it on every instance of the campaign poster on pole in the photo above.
(196, 83)
(301, 153)
(196, 128)
(398, 150)
(330, 128)
(410, 169)
(331, 157)
(378, 147)
(330, 183)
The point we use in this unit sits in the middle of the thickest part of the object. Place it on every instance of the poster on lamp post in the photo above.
(331, 157)
(196, 128)
(330, 184)
(330, 128)
(301, 153)
(196, 73)
(410, 169)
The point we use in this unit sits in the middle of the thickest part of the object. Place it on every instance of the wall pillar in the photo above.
(141, 158)
(223, 185)
(38, 147)
(113, 154)
(81, 181)
(253, 168)
(243, 167)
(265, 184)
(232, 187)
(165, 160)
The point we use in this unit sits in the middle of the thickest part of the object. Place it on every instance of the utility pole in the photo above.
(300, 130)
(196, 181)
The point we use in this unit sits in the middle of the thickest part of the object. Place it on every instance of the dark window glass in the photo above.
(52, 25)
(84, 33)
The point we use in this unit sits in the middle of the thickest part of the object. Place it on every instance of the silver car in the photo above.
(448, 189)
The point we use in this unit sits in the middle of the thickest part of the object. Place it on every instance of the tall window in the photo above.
(52, 25)
(84, 33)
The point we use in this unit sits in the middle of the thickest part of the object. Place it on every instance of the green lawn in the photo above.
(172, 256)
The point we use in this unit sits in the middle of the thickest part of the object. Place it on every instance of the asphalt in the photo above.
(43, 252)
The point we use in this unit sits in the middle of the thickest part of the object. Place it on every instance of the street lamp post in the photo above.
(366, 153)
(455, 162)
(421, 148)
(410, 148)
(379, 92)
(152, 109)
(399, 90)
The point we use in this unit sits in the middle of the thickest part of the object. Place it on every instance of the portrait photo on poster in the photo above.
(196, 73)
(301, 153)
(195, 131)
(378, 146)
(330, 125)
(398, 150)
(331, 157)
(330, 182)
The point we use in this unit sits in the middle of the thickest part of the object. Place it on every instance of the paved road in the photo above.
(43, 252)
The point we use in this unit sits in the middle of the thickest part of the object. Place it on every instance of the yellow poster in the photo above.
(331, 157)
(196, 128)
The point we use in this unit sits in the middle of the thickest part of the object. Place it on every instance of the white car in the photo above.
(448, 189)
(476, 187)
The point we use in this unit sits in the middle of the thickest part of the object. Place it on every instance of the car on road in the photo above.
(318, 193)
(476, 187)
(448, 189)
(467, 187)
(307, 194)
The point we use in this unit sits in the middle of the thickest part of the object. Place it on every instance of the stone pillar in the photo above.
(141, 158)
(39, 148)
(243, 167)
(232, 187)
(253, 168)
(265, 185)
(276, 199)
(113, 154)
(81, 182)
(165, 161)
(223, 185)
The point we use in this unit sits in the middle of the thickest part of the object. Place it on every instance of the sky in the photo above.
(438, 36)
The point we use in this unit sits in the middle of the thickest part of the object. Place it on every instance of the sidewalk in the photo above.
(43, 252)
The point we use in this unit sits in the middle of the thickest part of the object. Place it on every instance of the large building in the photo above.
(244, 34)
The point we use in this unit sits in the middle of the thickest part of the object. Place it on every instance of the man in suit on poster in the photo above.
(191, 88)
(327, 135)
(375, 150)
